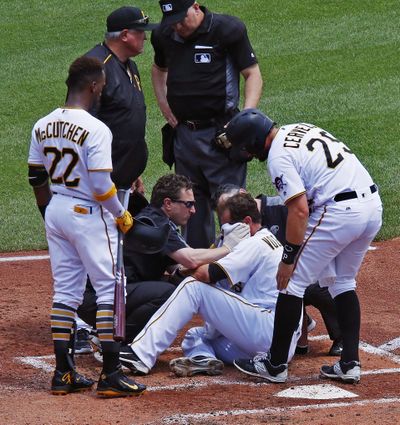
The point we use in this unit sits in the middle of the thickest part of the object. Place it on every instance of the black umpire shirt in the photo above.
(203, 70)
(273, 217)
(142, 267)
(123, 110)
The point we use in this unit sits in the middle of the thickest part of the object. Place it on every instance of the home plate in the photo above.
(316, 392)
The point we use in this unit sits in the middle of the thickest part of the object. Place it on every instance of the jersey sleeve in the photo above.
(159, 56)
(240, 264)
(239, 46)
(35, 157)
(99, 151)
(285, 178)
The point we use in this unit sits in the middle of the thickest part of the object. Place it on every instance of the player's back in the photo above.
(70, 142)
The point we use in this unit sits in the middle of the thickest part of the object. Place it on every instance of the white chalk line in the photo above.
(392, 345)
(186, 419)
(24, 258)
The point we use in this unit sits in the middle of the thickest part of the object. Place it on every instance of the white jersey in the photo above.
(70, 143)
(251, 268)
(307, 159)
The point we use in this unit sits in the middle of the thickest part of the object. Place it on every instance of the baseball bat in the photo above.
(120, 279)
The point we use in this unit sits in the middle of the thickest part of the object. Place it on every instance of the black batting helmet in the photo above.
(248, 130)
(146, 237)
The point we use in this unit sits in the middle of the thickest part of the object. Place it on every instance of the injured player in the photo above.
(235, 296)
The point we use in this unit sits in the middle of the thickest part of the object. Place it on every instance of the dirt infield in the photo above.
(26, 363)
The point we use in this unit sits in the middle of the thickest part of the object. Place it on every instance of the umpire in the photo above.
(198, 59)
(122, 105)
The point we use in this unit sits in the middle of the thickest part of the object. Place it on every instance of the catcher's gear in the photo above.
(147, 237)
(247, 132)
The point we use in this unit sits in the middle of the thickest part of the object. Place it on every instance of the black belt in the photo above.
(199, 124)
(344, 196)
(75, 197)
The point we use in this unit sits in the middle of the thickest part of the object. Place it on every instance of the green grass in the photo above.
(332, 63)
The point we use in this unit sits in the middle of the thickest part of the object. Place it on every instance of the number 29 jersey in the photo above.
(306, 159)
(70, 143)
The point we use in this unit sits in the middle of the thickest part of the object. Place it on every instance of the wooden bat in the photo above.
(120, 279)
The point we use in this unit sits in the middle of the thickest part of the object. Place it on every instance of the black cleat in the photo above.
(261, 367)
(129, 359)
(82, 342)
(69, 382)
(346, 371)
(116, 384)
(336, 349)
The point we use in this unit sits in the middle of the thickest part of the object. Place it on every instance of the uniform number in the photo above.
(57, 156)
(324, 140)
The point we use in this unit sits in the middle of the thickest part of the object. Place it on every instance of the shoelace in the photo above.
(260, 357)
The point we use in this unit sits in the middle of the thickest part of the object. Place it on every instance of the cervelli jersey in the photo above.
(70, 143)
(307, 159)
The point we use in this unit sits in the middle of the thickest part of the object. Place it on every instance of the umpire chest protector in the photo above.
(203, 70)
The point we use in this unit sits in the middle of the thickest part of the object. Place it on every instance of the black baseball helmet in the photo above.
(146, 237)
(247, 132)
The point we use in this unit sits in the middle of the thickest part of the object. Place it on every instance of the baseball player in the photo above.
(334, 212)
(73, 149)
(239, 310)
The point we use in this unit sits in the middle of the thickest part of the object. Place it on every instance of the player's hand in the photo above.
(233, 234)
(124, 222)
(283, 275)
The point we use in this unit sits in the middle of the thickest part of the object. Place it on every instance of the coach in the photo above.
(122, 105)
(198, 59)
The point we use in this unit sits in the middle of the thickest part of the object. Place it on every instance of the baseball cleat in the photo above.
(348, 372)
(261, 367)
(82, 342)
(188, 366)
(302, 350)
(69, 382)
(336, 349)
(129, 359)
(116, 384)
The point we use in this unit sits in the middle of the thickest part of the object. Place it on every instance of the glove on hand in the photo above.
(124, 222)
(232, 234)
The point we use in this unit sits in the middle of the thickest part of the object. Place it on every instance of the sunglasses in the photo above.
(187, 204)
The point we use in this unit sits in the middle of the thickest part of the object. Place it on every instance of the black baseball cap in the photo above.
(174, 10)
(131, 18)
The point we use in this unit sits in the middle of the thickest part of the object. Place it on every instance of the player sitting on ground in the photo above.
(273, 217)
(235, 295)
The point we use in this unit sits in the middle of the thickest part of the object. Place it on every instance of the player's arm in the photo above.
(105, 193)
(252, 86)
(39, 180)
(210, 273)
(296, 226)
(159, 80)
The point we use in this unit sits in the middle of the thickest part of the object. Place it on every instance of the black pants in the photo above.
(321, 299)
(142, 300)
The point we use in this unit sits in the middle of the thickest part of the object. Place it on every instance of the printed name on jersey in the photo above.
(64, 129)
(271, 241)
(202, 58)
(280, 184)
(293, 139)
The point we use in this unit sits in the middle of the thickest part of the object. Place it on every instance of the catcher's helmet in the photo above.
(248, 130)
(146, 237)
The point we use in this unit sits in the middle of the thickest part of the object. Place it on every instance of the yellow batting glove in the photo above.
(124, 222)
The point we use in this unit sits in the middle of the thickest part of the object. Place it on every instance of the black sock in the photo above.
(287, 317)
(110, 356)
(349, 317)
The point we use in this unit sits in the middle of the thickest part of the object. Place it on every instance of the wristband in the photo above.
(290, 251)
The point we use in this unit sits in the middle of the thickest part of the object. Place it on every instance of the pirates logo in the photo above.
(279, 183)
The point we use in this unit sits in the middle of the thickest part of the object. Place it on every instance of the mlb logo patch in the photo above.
(167, 7)
(202, 58)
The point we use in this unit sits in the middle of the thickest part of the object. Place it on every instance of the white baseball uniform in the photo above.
(81, 235)
(345, 207)
(237, 323)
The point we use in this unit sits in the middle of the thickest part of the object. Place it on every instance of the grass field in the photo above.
(332, 63)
